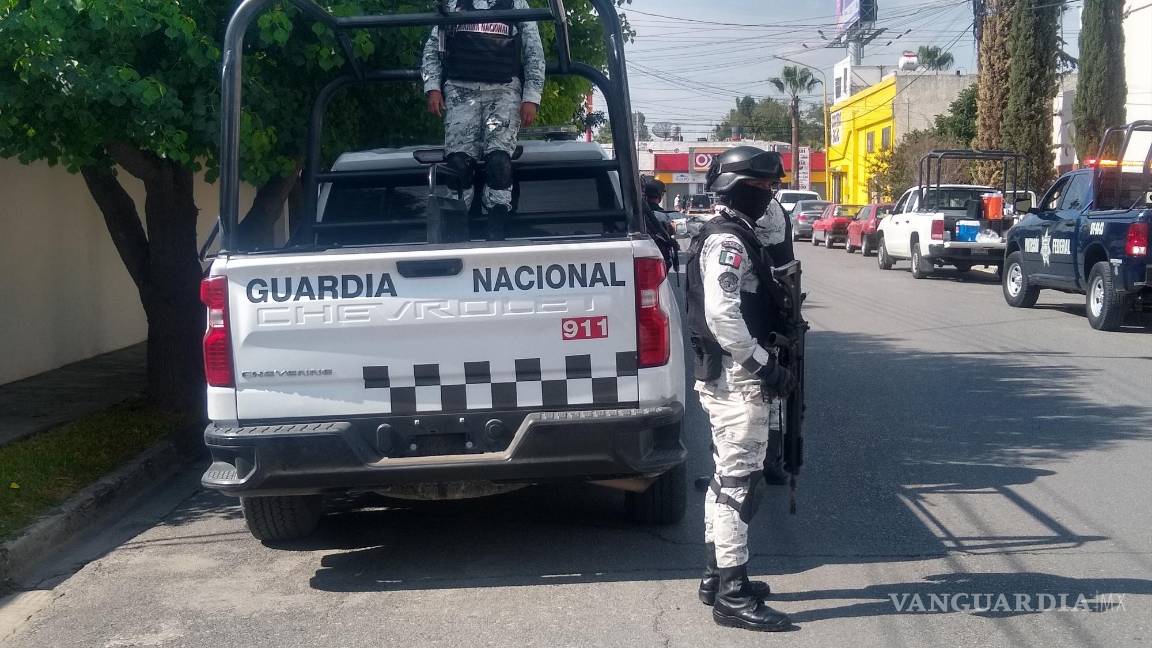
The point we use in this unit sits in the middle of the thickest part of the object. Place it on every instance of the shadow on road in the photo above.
(910, 456)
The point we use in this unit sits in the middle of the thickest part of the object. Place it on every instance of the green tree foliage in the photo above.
(959, 123)
(891, 175)
(795, 81)
(1027, 125)
(770, 119)
(992, 86)
(933, 58)
(111, 86)
(1101, 90)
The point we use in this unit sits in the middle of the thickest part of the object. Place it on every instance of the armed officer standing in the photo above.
(733, 307)
(485, 79)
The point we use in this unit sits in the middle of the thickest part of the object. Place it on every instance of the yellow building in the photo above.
(859, 126)
(873, 119)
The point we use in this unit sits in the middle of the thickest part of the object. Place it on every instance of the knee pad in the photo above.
(753, 483)
(499, 169)
(464, 171)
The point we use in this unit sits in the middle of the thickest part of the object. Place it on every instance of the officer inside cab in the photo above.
(732, 310)
(485, 80)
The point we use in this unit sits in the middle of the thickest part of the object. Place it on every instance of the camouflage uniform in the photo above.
(742, 418)
(484, 117)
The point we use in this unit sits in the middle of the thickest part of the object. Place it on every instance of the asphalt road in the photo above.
(956, 447)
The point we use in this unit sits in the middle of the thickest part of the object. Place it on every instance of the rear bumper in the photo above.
(971, 253)
(362, 454)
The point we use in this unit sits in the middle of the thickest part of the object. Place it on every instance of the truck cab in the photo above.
(1089, 235)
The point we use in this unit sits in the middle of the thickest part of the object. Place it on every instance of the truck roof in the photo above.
(534, 151)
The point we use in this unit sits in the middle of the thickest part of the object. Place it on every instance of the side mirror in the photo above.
(1023, 205)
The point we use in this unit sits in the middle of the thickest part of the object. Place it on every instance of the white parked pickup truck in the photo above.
(922, 230)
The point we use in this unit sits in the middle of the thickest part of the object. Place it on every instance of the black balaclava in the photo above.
(748, 200)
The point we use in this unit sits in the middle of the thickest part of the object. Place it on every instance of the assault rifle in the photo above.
(791, 345)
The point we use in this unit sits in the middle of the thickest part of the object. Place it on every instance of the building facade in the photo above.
(872, 119)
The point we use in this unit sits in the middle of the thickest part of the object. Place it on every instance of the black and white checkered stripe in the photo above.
(540, 383)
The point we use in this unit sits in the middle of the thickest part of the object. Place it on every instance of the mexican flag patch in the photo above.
(731, 259)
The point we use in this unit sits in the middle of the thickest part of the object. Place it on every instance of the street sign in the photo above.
(701, 158)
(803, 169)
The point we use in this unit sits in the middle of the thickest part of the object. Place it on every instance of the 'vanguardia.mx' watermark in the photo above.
(1010, 602)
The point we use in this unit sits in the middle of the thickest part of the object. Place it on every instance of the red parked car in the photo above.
(832, 226)
(862, 230)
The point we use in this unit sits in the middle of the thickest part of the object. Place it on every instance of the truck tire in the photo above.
(848, 246)
(865, 248)
(1105, 307)
(1018, 290)
(829, 242)
(664, 502)
(882, 259)
(289, 517)
(815, 242)
(919, 269)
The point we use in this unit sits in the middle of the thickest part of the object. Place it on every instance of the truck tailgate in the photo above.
(376, 332)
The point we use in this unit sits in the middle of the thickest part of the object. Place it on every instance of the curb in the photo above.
(19, 555)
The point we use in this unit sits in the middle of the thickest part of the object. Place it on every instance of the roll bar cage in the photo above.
(614, 87)
(1126, 131)
(936, 159)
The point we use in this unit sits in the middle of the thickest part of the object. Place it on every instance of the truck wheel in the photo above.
(828, 242)
(1105, 307)
(919, 269)
(288, 517)
(882, 259)
(1018, 291)
(815, 241)
(848, 246)
(865, 249)
(665, 500)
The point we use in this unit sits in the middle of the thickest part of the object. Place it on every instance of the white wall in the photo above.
(1138, 59)
(64, 294)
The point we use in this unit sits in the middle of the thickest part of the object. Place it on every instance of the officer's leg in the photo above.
(740, 434)
(463, 132)
(501, 128)
(724, 418)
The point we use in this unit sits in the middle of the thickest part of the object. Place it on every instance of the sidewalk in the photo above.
(34, 404)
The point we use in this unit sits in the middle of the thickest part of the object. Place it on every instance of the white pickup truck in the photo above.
(922, 229)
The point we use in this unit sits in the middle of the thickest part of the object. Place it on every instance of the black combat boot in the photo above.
(735, 608)
(710, 581)
(497, 219)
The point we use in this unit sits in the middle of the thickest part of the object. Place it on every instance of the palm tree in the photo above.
(795, 81)
(933, 58)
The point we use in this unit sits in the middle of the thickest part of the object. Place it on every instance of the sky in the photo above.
(687, 69)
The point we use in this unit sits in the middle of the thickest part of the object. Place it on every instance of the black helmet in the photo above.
(654, 189)
(742, 163)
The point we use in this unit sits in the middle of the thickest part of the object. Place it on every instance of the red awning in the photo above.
(671, 162)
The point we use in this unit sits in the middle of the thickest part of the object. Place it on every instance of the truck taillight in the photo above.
(217, 345)
(938, 230)
(1137, 243)
(652, 336)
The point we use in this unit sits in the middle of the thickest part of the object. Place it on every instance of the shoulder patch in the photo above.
(731, 259)
(732, 245)
(729, 282)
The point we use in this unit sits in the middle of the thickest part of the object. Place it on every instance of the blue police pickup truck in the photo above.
(1089, 235)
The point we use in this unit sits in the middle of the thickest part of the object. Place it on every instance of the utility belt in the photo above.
(709, 357)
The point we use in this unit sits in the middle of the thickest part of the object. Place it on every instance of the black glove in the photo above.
(778, 381)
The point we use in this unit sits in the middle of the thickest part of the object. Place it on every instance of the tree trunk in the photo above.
(796, 142)
(160, 255)
(256, 229)
(172, 303)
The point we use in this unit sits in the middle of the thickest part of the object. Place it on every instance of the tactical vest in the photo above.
(762, 310)
(485, 52)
